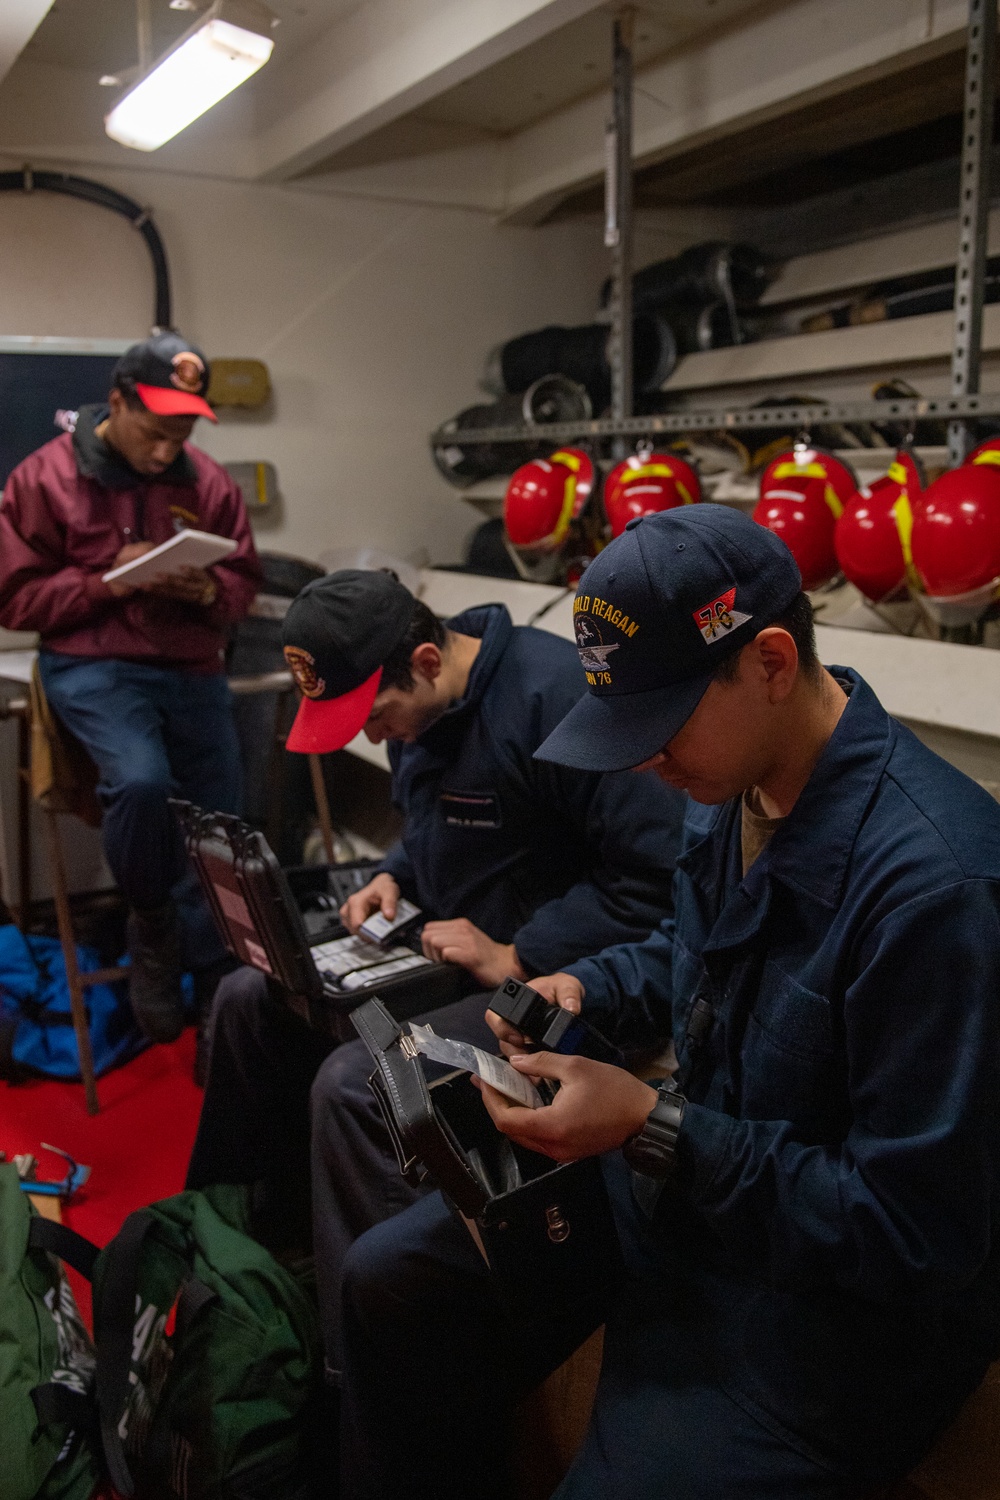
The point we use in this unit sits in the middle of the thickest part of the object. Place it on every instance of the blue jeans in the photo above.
(153, 733)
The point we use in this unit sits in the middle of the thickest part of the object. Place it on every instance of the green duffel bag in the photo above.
(47, 1416)
(208, 1368)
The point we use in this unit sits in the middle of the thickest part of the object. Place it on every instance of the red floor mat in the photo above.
(137, 1146)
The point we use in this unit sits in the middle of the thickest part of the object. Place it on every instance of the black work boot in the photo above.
(154, 986)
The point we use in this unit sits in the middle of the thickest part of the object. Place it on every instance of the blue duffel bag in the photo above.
(36, 1024)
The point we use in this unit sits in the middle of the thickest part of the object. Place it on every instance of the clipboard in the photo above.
(188, 549)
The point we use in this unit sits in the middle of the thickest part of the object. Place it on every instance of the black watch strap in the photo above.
(652, 1152)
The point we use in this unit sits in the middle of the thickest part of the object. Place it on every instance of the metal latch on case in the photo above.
(557, 1228)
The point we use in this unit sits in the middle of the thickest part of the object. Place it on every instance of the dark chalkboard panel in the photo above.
(33, 387)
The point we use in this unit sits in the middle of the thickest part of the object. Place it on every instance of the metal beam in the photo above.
(974, 207)
(712, 419)
(381, 60)
(19, 20)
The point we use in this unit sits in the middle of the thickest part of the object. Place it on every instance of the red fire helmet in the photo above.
(812, 472)
(872, 537)
(802, 496)
(986, 453)
(645, 483)
(544, 496)
(956, 531)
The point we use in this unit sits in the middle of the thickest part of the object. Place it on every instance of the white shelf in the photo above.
(904, 253)
(896, 341)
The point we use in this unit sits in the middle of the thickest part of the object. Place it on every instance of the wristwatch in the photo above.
(652, 1151)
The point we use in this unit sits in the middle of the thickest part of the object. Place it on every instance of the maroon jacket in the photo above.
(66, 512)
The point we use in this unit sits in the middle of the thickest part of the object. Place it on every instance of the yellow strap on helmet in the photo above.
(789, 468)
(833, 502)
(902, 514)
(558, 534)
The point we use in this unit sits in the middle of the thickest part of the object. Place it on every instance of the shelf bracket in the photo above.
(618, 218)
(973, 213)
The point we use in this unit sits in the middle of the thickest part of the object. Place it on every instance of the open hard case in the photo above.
(322, 973)
(546, 1230)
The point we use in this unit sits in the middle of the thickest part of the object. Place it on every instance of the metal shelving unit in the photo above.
(710, 419)
(964, 403)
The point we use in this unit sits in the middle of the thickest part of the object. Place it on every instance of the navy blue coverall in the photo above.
(560, 862)
(816, 1292)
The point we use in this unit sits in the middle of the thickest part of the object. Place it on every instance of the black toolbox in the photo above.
(261, 922)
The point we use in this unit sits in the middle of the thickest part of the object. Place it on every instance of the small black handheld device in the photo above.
(548, 1027)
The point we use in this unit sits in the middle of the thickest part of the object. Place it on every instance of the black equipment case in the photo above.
(546, 1231)
(262, 925)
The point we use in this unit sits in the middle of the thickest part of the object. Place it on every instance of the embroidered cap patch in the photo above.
(719, 619)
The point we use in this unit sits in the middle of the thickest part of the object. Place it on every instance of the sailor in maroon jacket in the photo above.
(137, 673)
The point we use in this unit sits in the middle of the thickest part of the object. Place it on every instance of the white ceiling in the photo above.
(101, 34)
(498, 105)
(573, 62)
(557, 70)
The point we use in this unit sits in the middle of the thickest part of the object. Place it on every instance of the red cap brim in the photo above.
(164, 402)
(321, 727)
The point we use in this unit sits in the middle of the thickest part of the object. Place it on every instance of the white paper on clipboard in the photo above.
(188, 549)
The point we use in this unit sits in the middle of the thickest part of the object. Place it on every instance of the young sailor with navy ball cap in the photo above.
(808, 1207)
(518, 866)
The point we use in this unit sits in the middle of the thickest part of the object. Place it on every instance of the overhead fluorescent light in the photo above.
(219, 52)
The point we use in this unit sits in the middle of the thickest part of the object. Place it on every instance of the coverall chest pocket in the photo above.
(790, 1065)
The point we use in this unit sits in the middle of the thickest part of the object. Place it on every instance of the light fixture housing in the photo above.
(221, 50)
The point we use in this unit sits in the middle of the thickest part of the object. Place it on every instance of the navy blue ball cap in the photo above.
(655, 614)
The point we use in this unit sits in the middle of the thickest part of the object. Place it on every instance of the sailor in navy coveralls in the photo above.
(808, 1210)
(522, 865)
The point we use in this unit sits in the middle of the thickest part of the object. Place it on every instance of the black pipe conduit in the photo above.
(28, 180)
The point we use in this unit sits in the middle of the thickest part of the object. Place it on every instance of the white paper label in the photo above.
(495, 1071)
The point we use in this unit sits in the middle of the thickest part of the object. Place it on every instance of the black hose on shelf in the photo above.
(28, 180)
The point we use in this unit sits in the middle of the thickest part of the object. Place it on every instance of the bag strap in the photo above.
(58, 1240)
(57, 1405)
(158, 1456)
(114, 1320)
(192, 1299)
(114, 1324)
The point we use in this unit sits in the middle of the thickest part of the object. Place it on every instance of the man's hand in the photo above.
(557, 989)
(460, 942)
(597, 1108)
(380, 894)
(122, 588)
(188, 585)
